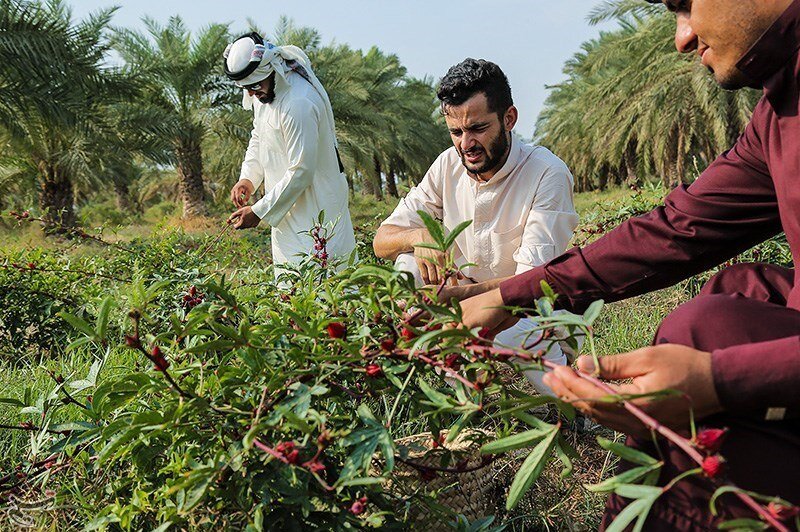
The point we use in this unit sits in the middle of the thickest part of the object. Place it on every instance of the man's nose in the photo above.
(685, 37)
(251, 92)
(467, 141)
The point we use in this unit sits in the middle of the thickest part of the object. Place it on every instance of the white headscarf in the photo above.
(273, 59)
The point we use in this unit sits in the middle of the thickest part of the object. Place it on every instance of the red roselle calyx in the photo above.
(359, 506)
(288, 451)
(388, 345)
(713, 466)
(373, 370)
(159, 360)
(782, 512)
(407, 334)
(132, 341)
(315, 466)
(451, 360)
(337, 330)
(710, 440)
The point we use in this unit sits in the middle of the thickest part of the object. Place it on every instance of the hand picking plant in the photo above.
(251, 407)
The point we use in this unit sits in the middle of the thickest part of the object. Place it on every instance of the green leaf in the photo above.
(531, 469)
(625, 452)
(437, 398)
(77, 323)
(743, 524)
(628, 477)
(457, 230)
(363, 481)
(637, 509)
(517, 441)
(593, 312)
(102, 318)
(10, 401)
(637, 491)
(565, 453)
(213, 345)
(434, 228)
(196, 486)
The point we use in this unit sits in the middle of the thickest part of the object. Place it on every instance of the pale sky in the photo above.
(529, 39)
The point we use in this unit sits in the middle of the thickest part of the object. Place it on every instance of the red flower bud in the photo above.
(132, 341)
(713, 465)
(373, 370)
(407, 334)
(315, 466)
(337, 330)
(388, 345)
(710, 440)
(485, 333)
(285, 447)
(782, 512)
(155, 351)
(293, 457)
(161, 363)
(359, 507)
(451, 360)
(193, 291)
(31, 266)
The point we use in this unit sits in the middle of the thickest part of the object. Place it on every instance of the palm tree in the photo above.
(633, 106)
(184, 86)
(57, 122)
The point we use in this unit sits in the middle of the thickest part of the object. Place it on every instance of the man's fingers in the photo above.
(615, 367)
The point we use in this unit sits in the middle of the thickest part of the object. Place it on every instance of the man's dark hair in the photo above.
(472, 76)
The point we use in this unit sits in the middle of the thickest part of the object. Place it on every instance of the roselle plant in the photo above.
(250, 406)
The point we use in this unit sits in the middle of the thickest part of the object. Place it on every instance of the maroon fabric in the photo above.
(748, 317)
(747, 195)
(744, 303)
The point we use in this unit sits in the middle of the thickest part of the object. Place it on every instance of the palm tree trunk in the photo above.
(377, 185)
(631, 179)
(391, 184)
(190, 175)
(125, 202)
(56, 199)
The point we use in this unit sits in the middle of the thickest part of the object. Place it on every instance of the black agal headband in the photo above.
(255, 59)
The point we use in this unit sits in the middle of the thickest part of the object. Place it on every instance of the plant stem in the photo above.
(399, 395)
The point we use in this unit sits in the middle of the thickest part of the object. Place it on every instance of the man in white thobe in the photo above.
(519, 198)
(292, 151)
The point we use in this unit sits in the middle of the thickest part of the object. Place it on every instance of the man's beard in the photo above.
(494, 155)
(269, 96)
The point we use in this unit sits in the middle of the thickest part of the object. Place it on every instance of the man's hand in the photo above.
(244, 218)
(652, 369)
(241, 193)
(485, 311)
(430, 262)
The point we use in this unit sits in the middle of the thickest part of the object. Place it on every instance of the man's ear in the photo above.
(510, 118)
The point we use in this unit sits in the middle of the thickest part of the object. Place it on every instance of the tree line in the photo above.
(87, 109)
(633, 109)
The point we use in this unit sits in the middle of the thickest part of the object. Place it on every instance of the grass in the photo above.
(555, 504)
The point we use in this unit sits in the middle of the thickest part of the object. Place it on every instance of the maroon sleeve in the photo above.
(758, 376)
(728, 209)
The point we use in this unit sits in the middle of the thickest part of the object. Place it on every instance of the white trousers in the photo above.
(516, 336)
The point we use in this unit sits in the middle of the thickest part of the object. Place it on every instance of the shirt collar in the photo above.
(514, 153)
(767, 62)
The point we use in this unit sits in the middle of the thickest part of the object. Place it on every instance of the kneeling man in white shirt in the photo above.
(519, 198)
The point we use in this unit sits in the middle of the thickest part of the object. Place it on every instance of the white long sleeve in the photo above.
(300, 127)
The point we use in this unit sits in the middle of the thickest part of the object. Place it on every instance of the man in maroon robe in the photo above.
(734, 349)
